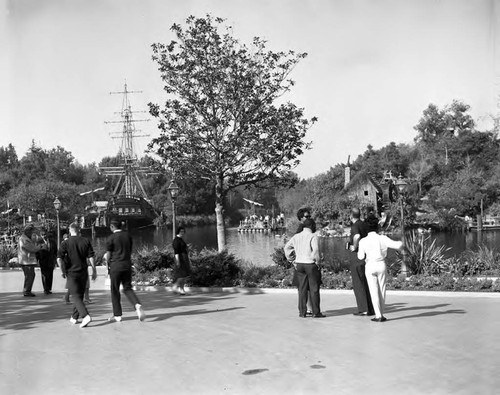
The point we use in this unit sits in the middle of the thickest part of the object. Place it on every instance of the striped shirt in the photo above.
(305, 245)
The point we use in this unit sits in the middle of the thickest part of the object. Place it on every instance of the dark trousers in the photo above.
(29, 278)
(360, 287)
(76, 286)
(309, 279)
(117, 278)
(47, 277)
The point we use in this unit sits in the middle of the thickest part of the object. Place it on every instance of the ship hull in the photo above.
(134, 211)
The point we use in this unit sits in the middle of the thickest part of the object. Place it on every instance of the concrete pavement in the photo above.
(247, 342)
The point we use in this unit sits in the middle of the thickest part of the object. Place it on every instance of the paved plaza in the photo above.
(247, 342)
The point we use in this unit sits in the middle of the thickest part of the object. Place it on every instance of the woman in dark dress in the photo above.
(183, 267)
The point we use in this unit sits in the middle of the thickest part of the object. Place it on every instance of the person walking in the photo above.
(118, 259)
(183, 265)
(359, 230)
(304, 246)
(27, 251)
(373, 248)
(66, 295)
(72, 258)
(47, 257)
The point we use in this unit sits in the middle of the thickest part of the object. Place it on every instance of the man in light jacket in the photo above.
(304, 246)
(27, 258)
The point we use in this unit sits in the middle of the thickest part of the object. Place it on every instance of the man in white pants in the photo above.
(374, 248)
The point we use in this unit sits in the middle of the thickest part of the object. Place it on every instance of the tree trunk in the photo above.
(219, 214)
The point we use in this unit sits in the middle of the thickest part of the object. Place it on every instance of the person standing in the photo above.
(303, 214)
(72, 258)
(118, 258)
(373, 248)
(27, 251)
(47, 257)
(305, 247)
(183, 266)
(359, 230)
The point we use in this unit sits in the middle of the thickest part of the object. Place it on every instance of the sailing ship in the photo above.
(129, 202)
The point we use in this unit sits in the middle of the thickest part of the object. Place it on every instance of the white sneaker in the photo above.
(73, 321)
(115, 318)
(86, 320)
(140, 313)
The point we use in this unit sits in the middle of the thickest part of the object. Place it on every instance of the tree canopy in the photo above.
(224, 120)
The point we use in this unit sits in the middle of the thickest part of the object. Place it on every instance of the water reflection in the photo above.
(257, 247)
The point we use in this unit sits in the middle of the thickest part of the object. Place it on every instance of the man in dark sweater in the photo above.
(72, 258)
(118, 258)
(359, 283)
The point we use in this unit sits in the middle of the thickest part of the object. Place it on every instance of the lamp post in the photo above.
(174, 191)
(57, 206)
(402, 185)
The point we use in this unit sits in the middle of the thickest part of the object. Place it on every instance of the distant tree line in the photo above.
(452, 169)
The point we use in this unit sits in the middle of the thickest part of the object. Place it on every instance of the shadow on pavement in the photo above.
(19, 312)
(397, 307)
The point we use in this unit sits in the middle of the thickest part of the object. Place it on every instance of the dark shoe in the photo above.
(30, 294)
(364, 314)
(319, 315)
(381, 319)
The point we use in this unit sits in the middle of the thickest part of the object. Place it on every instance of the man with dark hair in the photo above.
(359, 230)
(304, 213)
(72, 258)
(119, 261)
(305, 247)
(47, 259)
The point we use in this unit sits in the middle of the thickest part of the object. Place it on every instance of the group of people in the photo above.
(37, 250)
(368, 271)
(74, 257)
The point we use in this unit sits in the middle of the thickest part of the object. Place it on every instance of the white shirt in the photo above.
(306, 247)
(374, 247)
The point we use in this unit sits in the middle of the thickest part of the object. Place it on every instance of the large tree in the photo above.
(222, 120)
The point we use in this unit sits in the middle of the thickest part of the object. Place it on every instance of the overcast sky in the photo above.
(373, 66)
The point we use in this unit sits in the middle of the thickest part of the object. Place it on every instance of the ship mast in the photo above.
(129, 183)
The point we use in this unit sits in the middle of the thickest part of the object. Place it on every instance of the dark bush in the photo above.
(278, 257)
(211, 268)
(341, 280)
(147, 260)
(269, 276)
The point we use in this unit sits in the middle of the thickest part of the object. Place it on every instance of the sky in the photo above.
(373, 67)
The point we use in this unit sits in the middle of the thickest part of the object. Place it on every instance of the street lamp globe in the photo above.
(173, 189)
(57, 204)
(401, 184)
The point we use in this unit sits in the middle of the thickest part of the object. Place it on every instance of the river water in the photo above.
(257, 247)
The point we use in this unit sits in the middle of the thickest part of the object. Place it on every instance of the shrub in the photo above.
(211, 268)
(341, 280)
(482, 261)
(278, 257)
(496, 285)
(423, 256)
(269, 276)
(147, 260)
(7, 252)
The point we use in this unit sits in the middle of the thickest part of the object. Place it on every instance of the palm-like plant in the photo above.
(423, 255)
